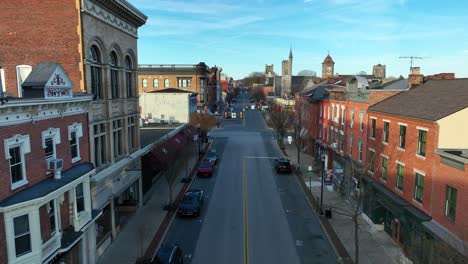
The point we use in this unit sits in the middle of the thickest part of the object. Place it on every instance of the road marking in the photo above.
(259, 157)
(246, 219)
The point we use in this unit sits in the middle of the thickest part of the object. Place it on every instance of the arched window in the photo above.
(144, 83)
(166, 83)
(155, 83)
(115, 87)
(96, 72)
(128, 77)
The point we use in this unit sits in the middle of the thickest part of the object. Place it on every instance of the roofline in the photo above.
(443, 152)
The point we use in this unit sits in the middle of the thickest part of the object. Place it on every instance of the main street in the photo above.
(251, 214)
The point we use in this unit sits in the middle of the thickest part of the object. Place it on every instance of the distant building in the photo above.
(379, 71)
(167, 106)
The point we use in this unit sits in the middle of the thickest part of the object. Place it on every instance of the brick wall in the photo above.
(35, 160)
(32, 37)
(458, 179)
(408, 157)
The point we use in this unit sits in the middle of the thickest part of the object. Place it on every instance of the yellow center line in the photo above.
(246, 219)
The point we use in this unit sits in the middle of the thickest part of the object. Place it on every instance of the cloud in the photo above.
(192, 7)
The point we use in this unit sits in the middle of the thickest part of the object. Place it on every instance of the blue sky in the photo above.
(242, 36)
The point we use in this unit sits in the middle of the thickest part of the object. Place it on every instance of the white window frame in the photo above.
(2, 79)
(25, 147)
(351, 123)
(78, 129)
(385, 133)
(372, 135)
(19, 79)
(34, 231)
(53, 133)
(342, 114)
(362, 116)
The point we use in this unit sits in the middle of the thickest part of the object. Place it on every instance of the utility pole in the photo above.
(411, 59)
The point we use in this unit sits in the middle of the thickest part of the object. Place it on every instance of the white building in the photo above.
(167, 106)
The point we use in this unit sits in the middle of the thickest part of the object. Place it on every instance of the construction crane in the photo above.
(411, 59)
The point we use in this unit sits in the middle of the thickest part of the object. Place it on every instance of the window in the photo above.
(22, 72)
(155, 83)
(99, 144)
(399, 180)
(351, 142)
(115, 87)
(422, 136)
(50, 138)
(333, 112)
(451, 203)
(343, 116)
(131, 132)
(75, 131)
(15, 149)
(22, 235)
(144, 83)
(371, 161)
(351, 123)
(361, 120)
(129, 77)
(372, 132)
(51, 213)
(402, 140)
(329, 112)
(117, 137)
(418, 187)
(384, 168)
(386, 130)
(360, 149)
(166, 83)
(96, 72)
(184, 82)
(342, 143)
(2, 80)
(80, 203)
(321, 110)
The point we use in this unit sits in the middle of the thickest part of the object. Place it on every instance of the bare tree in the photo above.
(300, 133)
(258, 94)
(279, 122)
(204, 121)
(307, 73)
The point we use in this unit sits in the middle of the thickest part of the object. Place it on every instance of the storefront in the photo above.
(401, 221)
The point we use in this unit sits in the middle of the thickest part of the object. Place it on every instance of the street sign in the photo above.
(289, 139)
(310, 174)
(233, 115)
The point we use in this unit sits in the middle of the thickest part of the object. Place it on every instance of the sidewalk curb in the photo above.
(169, 217)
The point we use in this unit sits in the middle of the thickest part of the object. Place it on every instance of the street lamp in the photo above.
(322, 160)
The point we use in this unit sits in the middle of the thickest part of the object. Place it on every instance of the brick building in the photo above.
(96, 42)
(193, 78)
(45, 198)
(417, 169)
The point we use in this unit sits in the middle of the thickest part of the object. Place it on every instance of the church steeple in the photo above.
(290, 53)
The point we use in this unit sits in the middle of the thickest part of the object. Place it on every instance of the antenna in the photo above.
(411, 59)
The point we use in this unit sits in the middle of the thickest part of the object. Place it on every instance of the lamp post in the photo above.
(199, 140)
(322, 160)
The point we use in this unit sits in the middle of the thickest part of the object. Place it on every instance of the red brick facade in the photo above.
(35, 160)
(45, 40)
(412, 162)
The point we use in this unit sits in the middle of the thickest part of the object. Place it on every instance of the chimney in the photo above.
(415, 78)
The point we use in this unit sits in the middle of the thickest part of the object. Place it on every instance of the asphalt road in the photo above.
(251, 214)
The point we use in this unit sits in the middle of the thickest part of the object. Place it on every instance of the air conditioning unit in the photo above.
(54, 164)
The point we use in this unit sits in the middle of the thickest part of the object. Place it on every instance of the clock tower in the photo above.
(328, 67)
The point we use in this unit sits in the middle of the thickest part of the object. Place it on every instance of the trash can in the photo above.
(328, 213)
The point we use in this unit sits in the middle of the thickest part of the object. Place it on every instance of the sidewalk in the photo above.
(136, 236)
(375, 246)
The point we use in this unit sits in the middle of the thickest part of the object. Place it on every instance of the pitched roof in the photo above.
(430, 101)
(328, 59)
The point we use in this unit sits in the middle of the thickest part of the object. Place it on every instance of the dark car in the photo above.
(168, 255)
(191, 203)
(205, 169)
(282, 165)
(212, 156)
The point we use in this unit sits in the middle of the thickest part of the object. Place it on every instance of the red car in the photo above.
(205, 169)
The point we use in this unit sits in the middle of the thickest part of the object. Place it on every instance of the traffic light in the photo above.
(241, 114)
(225, 114)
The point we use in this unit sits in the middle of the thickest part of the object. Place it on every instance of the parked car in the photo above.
(168, 255)
(191, 203)
(212, 156)
(205, 169)
(282, 165)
